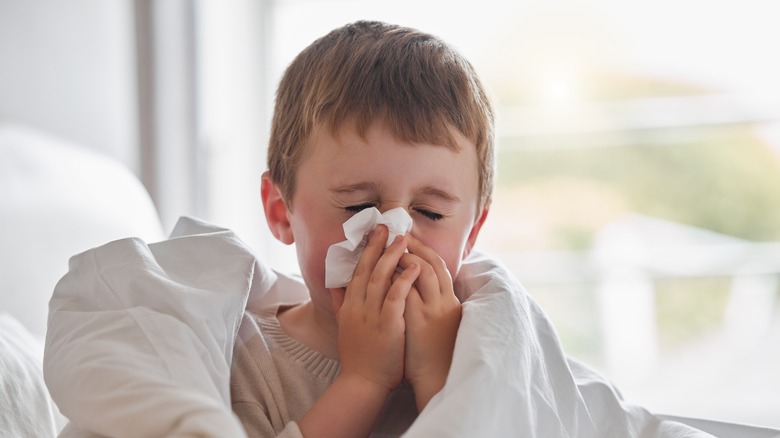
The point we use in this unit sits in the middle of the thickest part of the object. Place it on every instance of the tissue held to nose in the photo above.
(342, 257)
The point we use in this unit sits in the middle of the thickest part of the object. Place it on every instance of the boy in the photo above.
(371, 115)
(140, 335)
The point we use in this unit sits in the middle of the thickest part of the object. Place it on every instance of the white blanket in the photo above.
(140, 341)
(25, 408)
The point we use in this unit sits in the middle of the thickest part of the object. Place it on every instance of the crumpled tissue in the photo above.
(342, 257)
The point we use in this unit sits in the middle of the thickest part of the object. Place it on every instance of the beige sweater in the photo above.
(276, 379)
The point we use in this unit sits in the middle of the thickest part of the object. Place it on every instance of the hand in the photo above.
(370, 312)
(370, 317)
(432, 317)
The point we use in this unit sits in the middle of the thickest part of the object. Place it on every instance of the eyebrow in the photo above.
(372, 187)
(438, 193)
(359, 187)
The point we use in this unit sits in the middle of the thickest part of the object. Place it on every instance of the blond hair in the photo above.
(419, 87)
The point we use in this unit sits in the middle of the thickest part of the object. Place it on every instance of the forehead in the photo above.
(351, 141)
(345, 157)
(345, 167)
(349, 133)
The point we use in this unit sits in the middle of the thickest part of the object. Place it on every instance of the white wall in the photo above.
(67, 68)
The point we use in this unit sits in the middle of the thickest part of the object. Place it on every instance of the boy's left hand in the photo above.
(432, 318)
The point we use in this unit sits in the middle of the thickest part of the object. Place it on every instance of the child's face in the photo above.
(344, 173)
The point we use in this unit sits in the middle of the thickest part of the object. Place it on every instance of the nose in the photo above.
(386, 206)
(396, 215)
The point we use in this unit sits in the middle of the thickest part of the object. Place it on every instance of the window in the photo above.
(639, 160)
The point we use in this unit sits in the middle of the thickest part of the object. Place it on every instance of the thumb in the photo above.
(336, 299)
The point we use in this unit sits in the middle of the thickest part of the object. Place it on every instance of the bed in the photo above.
(57, 200)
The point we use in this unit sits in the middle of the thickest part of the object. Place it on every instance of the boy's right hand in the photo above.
(370, 314)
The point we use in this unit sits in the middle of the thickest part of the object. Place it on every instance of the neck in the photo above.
(313, 325)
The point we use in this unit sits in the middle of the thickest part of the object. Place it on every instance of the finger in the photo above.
(365, 266)
(382, 276)
(414, 303)
(337, 299)
(425, 252)
(427, 282)
(395, 302)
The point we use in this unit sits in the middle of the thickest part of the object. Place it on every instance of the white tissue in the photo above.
(342, 257)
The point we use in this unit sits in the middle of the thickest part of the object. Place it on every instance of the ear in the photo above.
(276, 212)
(475, 230)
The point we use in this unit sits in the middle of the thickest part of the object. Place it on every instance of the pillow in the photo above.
(56, 200)
(25, 406)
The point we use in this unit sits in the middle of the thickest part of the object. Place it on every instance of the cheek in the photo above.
(311, 259)
(448, 247)
(453, 259)
(312, 242)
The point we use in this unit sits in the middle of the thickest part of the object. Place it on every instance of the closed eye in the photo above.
(429, 214)
(358, 208)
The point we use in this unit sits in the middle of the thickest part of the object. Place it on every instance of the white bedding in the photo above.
(140, 338)
(25, 407)
(56, 199)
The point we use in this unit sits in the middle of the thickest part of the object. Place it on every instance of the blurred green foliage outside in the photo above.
(729, 184)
